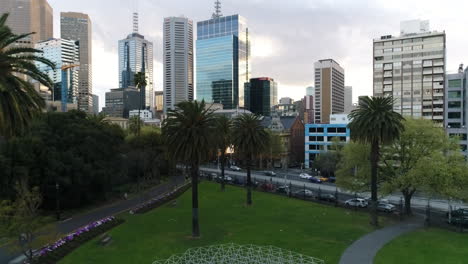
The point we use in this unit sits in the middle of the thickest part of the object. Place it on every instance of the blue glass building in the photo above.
(223, 62)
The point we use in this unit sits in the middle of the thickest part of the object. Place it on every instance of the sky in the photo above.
(287, 36)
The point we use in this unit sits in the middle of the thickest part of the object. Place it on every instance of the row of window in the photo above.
(410, 55)
(410, 40)
(329, 130)
(329, 139)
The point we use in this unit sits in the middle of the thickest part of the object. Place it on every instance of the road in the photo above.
(76, 222)
(292, 176)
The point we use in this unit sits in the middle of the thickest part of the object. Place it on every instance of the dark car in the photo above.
(270, 173)
(332, 179)
(315, 180)
(304, 193)
(327, 197)
(458, 217)
(283, 189)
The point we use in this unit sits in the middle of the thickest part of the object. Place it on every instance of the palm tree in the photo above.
(249, 139)
(140, 81)
(374, 122)
(188, 131)
(19, 101)
(223, 142)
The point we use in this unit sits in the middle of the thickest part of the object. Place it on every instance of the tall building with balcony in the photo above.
(178, 61)
(28, 16)
(223, 59)
(411, 68)
(261, 94)
(329, 90)
(77, 26)
(62, 52)
(456, 108)
(136, 55)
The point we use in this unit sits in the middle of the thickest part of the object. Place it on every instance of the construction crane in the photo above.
(64, 97)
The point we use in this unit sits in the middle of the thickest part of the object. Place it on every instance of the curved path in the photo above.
(363, 250)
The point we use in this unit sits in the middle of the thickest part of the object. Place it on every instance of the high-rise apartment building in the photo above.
(28, 16)
(178, 61)
(329, 90)
(310, 90)
(77, 26)
(223, 59)
(136, 55)
(261, 94)
(411, 69)
(348, 99)
(62, 52)
(456, 108)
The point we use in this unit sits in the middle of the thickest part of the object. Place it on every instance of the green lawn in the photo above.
(426, 246)
(311, 229)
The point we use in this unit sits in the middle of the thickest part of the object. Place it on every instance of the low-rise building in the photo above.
(120, 101)
(144, 114)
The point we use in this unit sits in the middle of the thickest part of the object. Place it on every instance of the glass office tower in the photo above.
(223, 60)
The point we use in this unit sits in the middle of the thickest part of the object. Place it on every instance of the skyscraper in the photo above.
(136, 55)
(223, 59)
(329, 90)
(411, 68)
(95, 104)
(261, 94)
(348, 99)
(61, 52)
(178, 61)
(28, 16)
(77, 26)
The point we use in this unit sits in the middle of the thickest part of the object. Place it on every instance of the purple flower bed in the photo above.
(60, 248)
(160, 200)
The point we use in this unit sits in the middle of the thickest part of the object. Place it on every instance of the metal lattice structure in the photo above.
(239, 254)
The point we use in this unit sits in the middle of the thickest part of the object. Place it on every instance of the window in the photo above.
(407, 41)
(454, 125)
(454, 94)
(320, 129)
(454, 104)
(343, 139)
(313, 138)
(397, 49)
(320, 139)
(455, 83)
(454, 115)
(342, 130)
(387, 50)
(332, 130)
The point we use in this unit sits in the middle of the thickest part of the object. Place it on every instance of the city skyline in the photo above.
(284, 42)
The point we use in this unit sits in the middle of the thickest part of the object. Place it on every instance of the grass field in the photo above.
(426, 246)
(304, 227)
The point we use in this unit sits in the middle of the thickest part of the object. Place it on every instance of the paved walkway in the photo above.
(363, 251)
(83, 219)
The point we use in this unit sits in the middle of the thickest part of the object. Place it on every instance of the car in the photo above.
(356, 202)
(305, 176)
(226, 178)
(332, 179)
(283, 189)
(386, 207)
(269, 173)
(323, 179)
(315, 180)
(235, 168)
(458, 217)
(304, 193)
(327, 197)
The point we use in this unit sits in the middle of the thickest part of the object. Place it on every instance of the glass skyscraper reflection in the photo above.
(223, 63)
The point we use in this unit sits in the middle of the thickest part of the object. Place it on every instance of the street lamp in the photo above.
(57, 189)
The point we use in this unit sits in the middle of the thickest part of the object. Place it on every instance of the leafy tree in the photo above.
(19, 101)
(223, 142)
(327, 163)
(188, 131)
(250, 139)
(275, 149)
(354, 171)
(374, 122)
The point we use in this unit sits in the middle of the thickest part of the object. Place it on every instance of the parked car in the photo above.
(356, 202)
(327, 197)
(304, 193)
(332, 179)
(283, 189)
(315, 180)
(235, 168)
(270, 173)
(226, 178)
(305, 176)
(323, 179)
(386, 207)
(458, 217)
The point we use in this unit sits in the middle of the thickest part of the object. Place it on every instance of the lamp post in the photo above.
(57, 200)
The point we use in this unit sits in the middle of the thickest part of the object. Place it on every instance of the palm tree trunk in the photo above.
(223, 164)
(374, 164)
(195, 224)
(249, 183)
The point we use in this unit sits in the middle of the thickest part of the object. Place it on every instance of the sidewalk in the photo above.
(83, 219)
(363, 251)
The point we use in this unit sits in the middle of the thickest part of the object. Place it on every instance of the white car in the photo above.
(356, 202)
(386, 207)
(305, 176)
(235, 168)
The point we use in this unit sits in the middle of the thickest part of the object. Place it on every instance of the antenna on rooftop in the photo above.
(217, 12)
(135, 22)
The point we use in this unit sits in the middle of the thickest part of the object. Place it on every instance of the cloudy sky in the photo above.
(287, 36)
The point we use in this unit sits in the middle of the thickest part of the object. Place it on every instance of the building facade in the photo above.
(77, 26)
(62, 52)
(329, 89)
(348, 99)
(95, 104)
(411, 69)
(261, 94)
(319, 138)
(308, 109)
(456, 108)
(223, 60)
(144, 114)
(28, 16)
(310, 90)
(120, 101)
(178, 61)
(136, 55)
